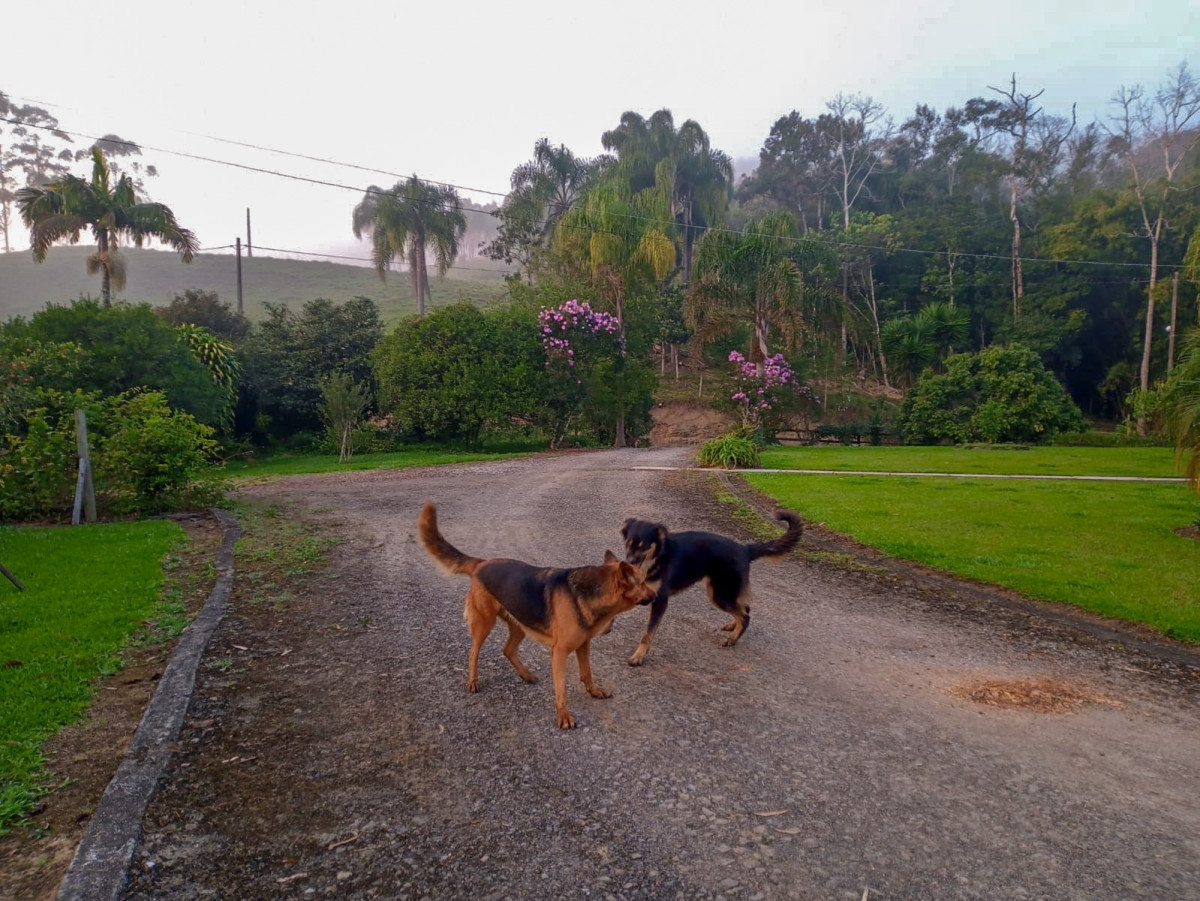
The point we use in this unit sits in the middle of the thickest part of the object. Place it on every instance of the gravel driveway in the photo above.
(831, 754)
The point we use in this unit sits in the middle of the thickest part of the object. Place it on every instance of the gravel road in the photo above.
(831, 754)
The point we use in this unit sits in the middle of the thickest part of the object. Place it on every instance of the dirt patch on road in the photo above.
(83, 757)
(1039, 695)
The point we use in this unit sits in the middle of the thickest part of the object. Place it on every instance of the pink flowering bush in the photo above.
(570, 322)
(766, 401)
(583, 346)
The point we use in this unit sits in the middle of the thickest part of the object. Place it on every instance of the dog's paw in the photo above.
(597, 692)
(729, 642)
(637, 658)
(531, 678)
(472, 685)
(565, 720)
(728, 627)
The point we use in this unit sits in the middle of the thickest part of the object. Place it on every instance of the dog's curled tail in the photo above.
(785, 542)
(447, 555)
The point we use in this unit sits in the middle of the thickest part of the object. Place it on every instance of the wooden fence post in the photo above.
(85, 490)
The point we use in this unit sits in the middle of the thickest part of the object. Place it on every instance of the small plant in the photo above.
(729, 451)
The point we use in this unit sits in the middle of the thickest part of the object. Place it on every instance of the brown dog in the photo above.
(560, 608)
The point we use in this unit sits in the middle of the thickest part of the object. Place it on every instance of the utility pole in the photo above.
(238, 242)
(249, 247)
(1171, 331)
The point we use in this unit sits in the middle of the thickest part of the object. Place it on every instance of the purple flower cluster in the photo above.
(759, 393)
(573, 317)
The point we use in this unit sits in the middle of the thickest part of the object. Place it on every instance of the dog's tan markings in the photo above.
(741, 619)
(558, 665)
(584, 656)
(515, 636)
(481, 618)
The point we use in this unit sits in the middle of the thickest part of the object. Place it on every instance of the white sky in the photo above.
(460, 92)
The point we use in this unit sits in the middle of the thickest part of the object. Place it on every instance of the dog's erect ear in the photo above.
(631, 573)
(610, 557)
(625, 528)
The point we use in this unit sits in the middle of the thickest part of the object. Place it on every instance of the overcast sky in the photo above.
(460, 92)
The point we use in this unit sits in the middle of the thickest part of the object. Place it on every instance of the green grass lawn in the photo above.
(1107, 547)
(1077, 461)
(88, 587)
(296, 464)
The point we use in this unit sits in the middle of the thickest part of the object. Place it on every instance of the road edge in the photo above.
(100, 867)
(1105, 629)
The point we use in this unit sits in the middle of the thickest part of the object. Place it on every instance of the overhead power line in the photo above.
(630, 216)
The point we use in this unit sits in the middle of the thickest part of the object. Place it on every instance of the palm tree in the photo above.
(1183, 407)
(755, 275)
(695, 180)
(412, 218)
(615, 238)
(64, 207)
(549, 185)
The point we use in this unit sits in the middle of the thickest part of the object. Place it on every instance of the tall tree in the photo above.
(1155, 135)
(63, 208)
(1035, 143)
(407, 222)
(543, 190)
(27, 156)
(616, 239)
(754, 277)
(694, 180)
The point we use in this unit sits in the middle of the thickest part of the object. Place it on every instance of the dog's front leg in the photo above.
(558, 665)
(584, 655)
(657, 609)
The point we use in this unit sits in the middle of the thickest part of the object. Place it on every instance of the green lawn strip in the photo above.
(1157, 462)
(1107, 547)
(287, 465)
(88, 588)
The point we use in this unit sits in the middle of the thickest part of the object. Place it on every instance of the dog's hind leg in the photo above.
(657, 609)
(481, 618)
(584, 655)
(515, 636)
(734, 599)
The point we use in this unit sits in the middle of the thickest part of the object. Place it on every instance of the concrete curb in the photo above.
(100, 867)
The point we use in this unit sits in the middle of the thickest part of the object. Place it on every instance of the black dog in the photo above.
(677, 560)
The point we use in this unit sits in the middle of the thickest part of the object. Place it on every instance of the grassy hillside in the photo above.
(156, 276)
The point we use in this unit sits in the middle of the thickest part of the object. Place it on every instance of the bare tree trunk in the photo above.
(1171, 331)
(1148, 340)
(1018, 276)
(878, 333)
(675, 357)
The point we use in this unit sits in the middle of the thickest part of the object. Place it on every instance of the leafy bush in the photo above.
(148, 458)
(37, 470)
(151, 458)
(116, 349)
(732, 450)
(1000, 395)
(288, 355)
(458, 372)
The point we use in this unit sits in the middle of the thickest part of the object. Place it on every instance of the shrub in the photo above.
(288, 355)
(458, 372)
(999, 395)
(119, 348)
(732, 450)
(151, 458)
(37, 470)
